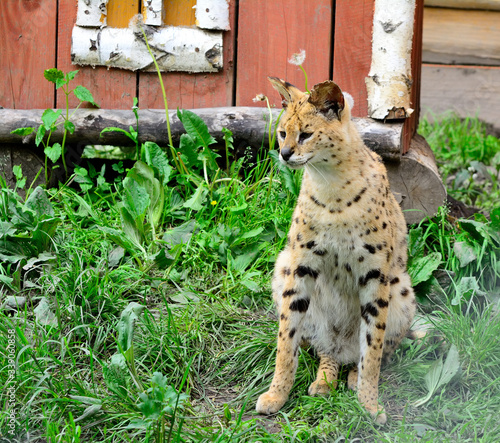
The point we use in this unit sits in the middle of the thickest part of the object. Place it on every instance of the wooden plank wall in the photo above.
(24, 26)
(269, 32)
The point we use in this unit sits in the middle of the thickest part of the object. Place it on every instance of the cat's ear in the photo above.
(288, 92)
(328, 99)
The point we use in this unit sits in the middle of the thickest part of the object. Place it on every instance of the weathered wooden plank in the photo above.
(194, 90)
(353, 49)
(466, 90)
(247, 123)
(411, 123)
(493, 5)
(27, 48)
(112, 89)
(269, 33)
(179, 12)
(454, 36)
(120, 12)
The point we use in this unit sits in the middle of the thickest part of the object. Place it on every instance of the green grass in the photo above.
(209, 325)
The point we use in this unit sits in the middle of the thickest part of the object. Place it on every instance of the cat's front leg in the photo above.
(374, 298)
(294, 303)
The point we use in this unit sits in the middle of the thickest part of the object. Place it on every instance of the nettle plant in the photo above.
(51, 119)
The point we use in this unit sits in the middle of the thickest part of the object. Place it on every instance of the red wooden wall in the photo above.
(336, 35)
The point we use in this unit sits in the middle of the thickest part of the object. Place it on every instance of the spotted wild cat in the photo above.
(341, 283)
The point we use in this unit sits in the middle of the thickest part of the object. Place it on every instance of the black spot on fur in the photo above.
(373, 274)
(348, 267)
(368, 339)
(369, 308)
(299, 237)
(358, 197)
(405, 292)
(315, 200)
(311, 244)
(320, 252)
(380, 326)
(349, 203)
(361, 259)
(395, 281)
(382, 303)
(301, 305)
(292, 333)
(289, 292)
(283, 317)
(369, 248)
(384, 225)
(302, 271)
(379, 247)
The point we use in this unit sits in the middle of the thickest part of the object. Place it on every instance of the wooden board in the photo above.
(459, 36)
(120, 12)
(466, 4)
(353, 49)
(179, 12)
(194, 90)
(269, 32)
(411, 123)
(27, 48)
(465, 90)
(111, 88)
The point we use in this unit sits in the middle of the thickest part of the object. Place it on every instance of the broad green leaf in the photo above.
(196, 201)
(52, 75)
(72, 74)
(84, 95)
(155, 157)
(253, 233)
(49, 118)
(6, 229)
(416, 242)
(208, 156)
(40, 134)
(145, 177)
(69, 126)
(237, 210)
(189, 151)
(196, 128)
(44, 314)
(467, 288)
(464, 252)
(39, 203)
(421, 269)
(117, 376)
(180, 234)
(440, 374)
(89, 412)
(138, 423)
(23, 131)
(136, 199)
(54, 152)
(126, 325)
(495, 218)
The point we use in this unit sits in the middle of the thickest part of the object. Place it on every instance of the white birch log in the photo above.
(92, 13)
(389, 80)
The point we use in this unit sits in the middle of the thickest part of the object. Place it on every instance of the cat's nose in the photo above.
(286, 153)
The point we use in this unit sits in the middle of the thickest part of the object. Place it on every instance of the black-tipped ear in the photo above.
(288, 92)
(327, 98)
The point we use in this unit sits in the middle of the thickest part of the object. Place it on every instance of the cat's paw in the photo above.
(270, 403)
(321, 388)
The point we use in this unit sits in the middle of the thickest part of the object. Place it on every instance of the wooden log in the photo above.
(246, 123)
(416, 183)
(459, 36)
(492, 5)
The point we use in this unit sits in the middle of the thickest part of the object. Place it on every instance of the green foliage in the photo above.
(51, 119)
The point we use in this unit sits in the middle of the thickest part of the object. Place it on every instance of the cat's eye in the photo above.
(304, 136)
(282, 134)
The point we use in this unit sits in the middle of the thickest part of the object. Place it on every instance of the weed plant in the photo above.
(157, 320)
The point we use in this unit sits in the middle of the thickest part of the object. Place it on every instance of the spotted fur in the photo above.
(341, 282)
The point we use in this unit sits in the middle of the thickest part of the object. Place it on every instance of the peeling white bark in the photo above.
(92, 13)
(152, 11)
(389, 80)
(175, 49)
(212, 14)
